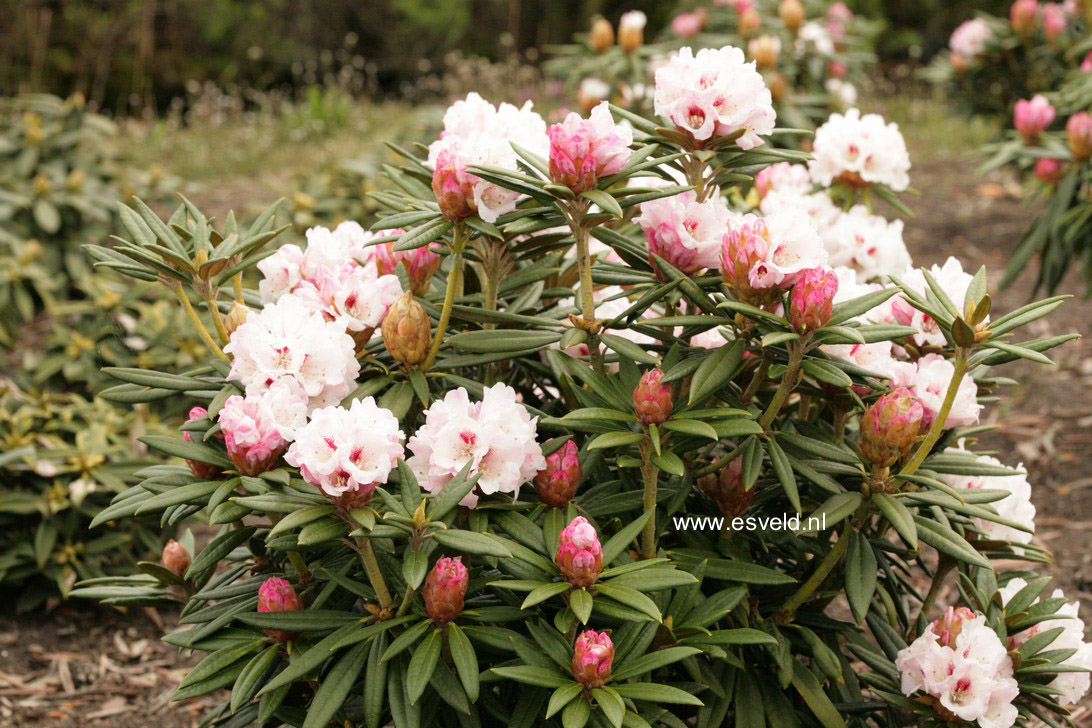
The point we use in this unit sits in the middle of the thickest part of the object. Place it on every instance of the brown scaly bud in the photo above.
(556, 484)
(236, 316)
(176, 559)
(653, 399)
(407, 331)
(601, 35)
(727, 490)
(749, 22)
(631, 30)
(792, 14)
(890, 427)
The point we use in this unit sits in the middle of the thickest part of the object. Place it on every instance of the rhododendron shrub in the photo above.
(635, 453)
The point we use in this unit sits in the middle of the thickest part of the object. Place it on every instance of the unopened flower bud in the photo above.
(277, 595)
(236, 316)
(687, 25)
(452, 189)
(556, 484)
(41, 185)
(420, 263)
(631, 30)
(653, 399)
(1054, 22)
(749, 22)
(407, 331)
(1079, 132)
(792, 14)
(445, 588)
(1049, 171)
(813, 299)
(890, 427)
(176, 559)
(779, 86)
(201, 470)
(764, 51)
(727, 490)
(1032, 117)
(948, 627)
(593, 653)
(601, 35)
(74, 181)
(579, 553)
(591, 93)
(1023, 15)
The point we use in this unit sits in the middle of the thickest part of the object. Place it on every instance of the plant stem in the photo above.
(453, 278)
(587, 287)
(217, 320)
(201, 330)
(944, 566)
(650, 474)
(720, 463)
(695, 175)
(788, 384)
(836, 553)
(407, 599)
(237, 282)
(300, 567)
(937, 427)
(756, 381)
(375, 575)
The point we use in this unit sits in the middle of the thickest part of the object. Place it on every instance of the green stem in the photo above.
(453, 279)
(587, 287)
(788, 384)
(944, 566)
(835, 555)
(201, 330)
(217, 320)
(937, 427)
(407, 599)
(300, 567)
(650, 474)
(375, 575)
(759, 377)
(720, 463)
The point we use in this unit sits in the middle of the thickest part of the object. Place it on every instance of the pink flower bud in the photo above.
(653, 399)
(1079, 132)
(837, 69)
(445, 588)
(948, 627)
(579, 554)
(745, 247)
(593, 654)
(556, 484)
(452, 187)
(727, 490)
(1049, 171)
(583, 150)
(176, 559)
(687, 25)
(201, 470)
(1086, 64)
(277, 595)
(813, 299)
(890, 427)
(257, 428)
(1023, 15)
(420, 263)
(1031, 118)
(1054, 21)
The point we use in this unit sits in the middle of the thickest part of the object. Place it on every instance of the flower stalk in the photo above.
(789, 382)
(454, 278)
(941, 419)
(206, 337)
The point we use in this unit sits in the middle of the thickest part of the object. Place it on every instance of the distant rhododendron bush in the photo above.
(483, 464)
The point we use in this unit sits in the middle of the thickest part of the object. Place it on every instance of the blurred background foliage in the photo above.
(139, 56)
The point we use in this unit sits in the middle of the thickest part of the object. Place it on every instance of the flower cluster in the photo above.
(478, 133)
(771, 252)
(964, 667)
(714, 93)
(969, 40)
(347, 452)
(686, 233)
(583, 150)
(1015, 507)
(1072, 685)
(495, 436)
(289, 340)
(257, 428)
(860, 150)
(336, 274)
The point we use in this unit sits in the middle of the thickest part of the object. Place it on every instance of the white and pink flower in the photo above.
(930, 382)
(867, 243)
(288, 340)
(771, 252)
(347, 452)
(1016, 506)
(495, 436)
(782, 177)
(952, 280)
(684, 232)
(961, 664)
(258, 428)
(713, 93)
(584, 150)
(860, 150)
(969, 40)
